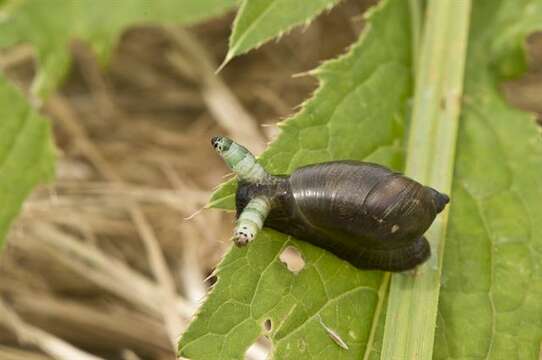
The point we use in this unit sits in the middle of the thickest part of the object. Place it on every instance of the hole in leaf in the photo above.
(267, 325)
(293, 259)
(261, 349)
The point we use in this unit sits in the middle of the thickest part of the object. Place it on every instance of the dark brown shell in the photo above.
(362, 212)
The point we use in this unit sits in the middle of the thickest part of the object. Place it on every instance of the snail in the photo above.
(362, 212)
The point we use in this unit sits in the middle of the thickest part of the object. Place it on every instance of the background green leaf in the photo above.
(261, 20)
(99, 22)
(26, 152)
(490, 304)
(348, 118)
(25, 143)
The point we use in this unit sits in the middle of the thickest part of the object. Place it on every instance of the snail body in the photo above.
(362, 212)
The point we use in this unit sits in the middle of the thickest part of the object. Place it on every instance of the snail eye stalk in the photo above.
(240, 160)
(251, 220)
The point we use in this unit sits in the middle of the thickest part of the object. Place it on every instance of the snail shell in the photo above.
(362, 212)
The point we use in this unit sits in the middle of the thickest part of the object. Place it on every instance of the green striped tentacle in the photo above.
(251, 220)
(244, 165)
(240, 160)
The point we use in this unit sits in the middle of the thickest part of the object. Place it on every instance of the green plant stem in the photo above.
(413, 300)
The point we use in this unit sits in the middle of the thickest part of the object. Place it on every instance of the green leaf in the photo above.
(50, 25)
(348, 118)
(254, 286)
(26, 152)
(261, 20)
(490, 304)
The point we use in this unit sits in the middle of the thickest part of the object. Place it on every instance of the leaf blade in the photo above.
(488, 297)
(261, 20)
(26, 152)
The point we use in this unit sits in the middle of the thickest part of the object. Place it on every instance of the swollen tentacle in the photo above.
(240, 160)
(251, 220)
